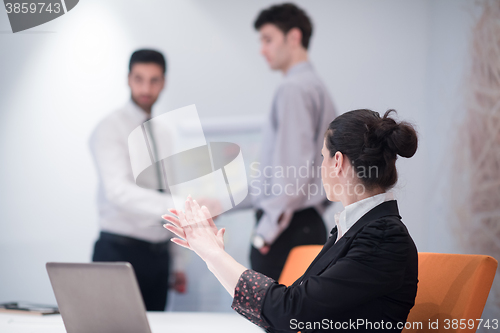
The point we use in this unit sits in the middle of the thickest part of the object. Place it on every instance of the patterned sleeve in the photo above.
(249, 296)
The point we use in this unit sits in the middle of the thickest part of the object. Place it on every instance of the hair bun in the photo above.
(403, 140)
(385, 137)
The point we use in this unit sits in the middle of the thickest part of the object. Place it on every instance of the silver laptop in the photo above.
(98, 297)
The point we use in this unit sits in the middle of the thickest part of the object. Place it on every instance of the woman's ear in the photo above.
(338, 161)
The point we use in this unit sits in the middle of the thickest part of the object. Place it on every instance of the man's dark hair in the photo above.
(286, 16)
(148, 56)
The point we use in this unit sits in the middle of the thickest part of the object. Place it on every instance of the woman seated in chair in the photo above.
(365, 277)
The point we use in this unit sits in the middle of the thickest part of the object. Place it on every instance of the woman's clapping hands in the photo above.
(195, 230)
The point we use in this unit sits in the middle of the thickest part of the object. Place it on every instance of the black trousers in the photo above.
(306, 228)
(149, 260)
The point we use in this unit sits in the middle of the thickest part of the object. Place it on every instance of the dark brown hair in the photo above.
(286, 16)
(372, 142)
(148, 56)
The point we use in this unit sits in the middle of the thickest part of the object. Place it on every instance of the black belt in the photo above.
(134, 242)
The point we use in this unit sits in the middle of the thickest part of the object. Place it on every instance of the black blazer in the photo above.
(370, 274)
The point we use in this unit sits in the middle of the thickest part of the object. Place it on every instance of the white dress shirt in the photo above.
(125, 208)
(353, 212)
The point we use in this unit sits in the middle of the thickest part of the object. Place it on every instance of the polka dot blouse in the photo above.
(249, 296)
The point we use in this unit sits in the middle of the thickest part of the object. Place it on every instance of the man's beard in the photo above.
(143, 106)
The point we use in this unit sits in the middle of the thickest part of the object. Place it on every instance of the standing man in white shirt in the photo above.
(129, 216)
(289, 194)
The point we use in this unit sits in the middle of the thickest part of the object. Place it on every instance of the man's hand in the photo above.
(265, 249)
(180, 282)
(281, 217)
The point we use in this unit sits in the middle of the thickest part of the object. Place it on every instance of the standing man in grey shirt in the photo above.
(287, 189)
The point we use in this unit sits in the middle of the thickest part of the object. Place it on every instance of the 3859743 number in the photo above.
(455, 324)
(32, 8)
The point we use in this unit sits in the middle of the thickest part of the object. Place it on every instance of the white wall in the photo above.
(446, 92)
(58, 80)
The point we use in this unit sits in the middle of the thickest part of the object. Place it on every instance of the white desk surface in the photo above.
(160, 322)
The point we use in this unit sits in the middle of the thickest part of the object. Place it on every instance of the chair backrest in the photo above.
(451, 288)
(299, 258)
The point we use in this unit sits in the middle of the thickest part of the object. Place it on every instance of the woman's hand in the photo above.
(196, 230)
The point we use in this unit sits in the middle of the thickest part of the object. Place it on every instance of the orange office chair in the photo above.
(452, 290)
(299, 258)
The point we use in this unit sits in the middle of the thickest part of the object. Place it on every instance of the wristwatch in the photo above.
(258, 241)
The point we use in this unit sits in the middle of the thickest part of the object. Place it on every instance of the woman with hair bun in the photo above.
(365, 277)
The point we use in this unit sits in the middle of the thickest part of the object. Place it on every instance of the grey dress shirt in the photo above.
(289, 176)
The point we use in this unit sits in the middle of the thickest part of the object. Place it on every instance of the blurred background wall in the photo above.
(59, 79)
